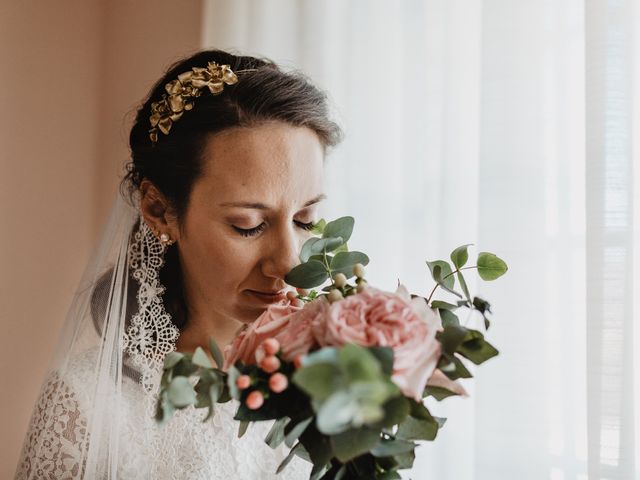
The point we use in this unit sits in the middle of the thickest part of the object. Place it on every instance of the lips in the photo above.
(269, 296)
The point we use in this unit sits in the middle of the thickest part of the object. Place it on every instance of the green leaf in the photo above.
(297, 430)
(396, 410)
(359, 363)
(318, 228)
(475, 348)
(405, 460)
(384, 355)
(305, 252)
(172, 359)
(453, 367)
(439, 393)
(448, 318)
(325, 245)
(288, 458)
(216, 353)
(389, 448)
(451, 337)
(307, 275)
(341, 227)
(337, 413)
(275, 437)
(463, 285)
(460, 256)
(343, 262)
(439, 304)
(445, 271)
(390, 475)
(232, 375)
(180, 392)
(418, 429)
(490, 267)
(200, 358)
(242, 428)
(436, 273)
(350, 444)
(318, 380)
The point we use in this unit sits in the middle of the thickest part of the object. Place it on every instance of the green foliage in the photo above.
(460, 256)
(490, 267)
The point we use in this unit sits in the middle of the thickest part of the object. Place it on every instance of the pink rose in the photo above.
(245, 346)
(298, 338)
(377, 318)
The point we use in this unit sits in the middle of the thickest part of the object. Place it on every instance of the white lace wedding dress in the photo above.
(184, 448)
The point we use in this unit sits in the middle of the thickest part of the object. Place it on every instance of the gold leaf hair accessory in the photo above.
(182, 91)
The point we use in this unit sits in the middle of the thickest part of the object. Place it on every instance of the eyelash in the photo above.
(256, 230)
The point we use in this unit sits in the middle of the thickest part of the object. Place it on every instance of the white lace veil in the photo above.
(116, 331)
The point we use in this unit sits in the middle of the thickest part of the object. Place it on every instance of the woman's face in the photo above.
(248, 216)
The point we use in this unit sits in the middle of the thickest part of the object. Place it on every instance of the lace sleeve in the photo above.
(56, 439)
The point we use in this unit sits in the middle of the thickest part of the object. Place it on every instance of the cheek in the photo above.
(216, 258)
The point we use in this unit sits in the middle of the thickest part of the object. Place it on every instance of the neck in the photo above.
(200, 328)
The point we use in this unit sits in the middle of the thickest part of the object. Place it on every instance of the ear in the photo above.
(157, 211)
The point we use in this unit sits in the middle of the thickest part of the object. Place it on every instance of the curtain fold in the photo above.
(512, 125)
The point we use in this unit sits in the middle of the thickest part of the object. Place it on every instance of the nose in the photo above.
(283, 253)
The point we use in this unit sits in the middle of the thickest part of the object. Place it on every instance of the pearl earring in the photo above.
(165, 239)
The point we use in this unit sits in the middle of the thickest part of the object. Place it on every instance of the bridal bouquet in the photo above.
(343, 371)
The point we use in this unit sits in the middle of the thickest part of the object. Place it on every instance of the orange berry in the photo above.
(278, 382)
(255, 400)
(243, 381)
(270, 364)
(271, 346)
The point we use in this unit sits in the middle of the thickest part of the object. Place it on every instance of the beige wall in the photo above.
(70, 71)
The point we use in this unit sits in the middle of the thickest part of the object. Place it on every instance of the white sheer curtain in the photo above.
(512, 124)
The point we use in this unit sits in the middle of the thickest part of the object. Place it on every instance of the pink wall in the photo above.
(70, 71)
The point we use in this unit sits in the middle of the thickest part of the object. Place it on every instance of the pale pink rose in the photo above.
(245, 346)
(378, 318)
(439, 379)
(298, 338)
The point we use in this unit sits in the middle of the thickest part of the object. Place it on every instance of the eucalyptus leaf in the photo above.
(275, 437)
(288, 458)
(242, 428)
(352, 443)
(389, 448)
(318, 227)
(475, 348)
(200, 358)
(344, 262)
(172, 359)
(336, 414)
(445, 276)
(341, 227)
(448, 318)
(490, 267)
(297, 430)
(390, 475)
(306, 252)
(181, 393)
(359, 363)
(405, 460)
(463, 285)
(384, 355)
(460, 256)
(418, 429)
(439, 393)
(439, 304)
(318, 380)
(216, 353)
(307, 275)
(452, 337)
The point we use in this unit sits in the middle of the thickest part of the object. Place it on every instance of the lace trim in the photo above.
(151, 335)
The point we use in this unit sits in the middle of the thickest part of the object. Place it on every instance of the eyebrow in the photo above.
(262, 206)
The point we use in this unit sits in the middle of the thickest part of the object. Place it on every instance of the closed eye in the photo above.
(251, 232)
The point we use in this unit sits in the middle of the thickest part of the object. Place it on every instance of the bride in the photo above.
(224, 182)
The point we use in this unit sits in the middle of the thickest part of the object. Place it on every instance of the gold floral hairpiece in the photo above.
(182, 91)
